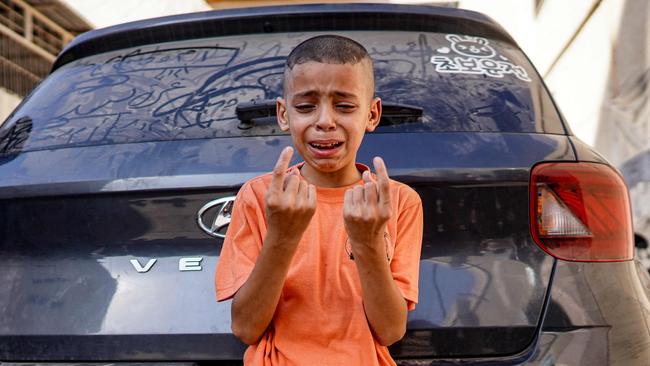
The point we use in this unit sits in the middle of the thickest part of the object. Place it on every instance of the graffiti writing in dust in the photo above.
(152, 94)
(190, 90)
(474, 55)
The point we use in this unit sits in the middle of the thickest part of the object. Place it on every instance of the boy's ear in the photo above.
(281, 112)
(374, 114)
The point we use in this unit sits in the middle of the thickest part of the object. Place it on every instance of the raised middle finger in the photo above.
(280, 169)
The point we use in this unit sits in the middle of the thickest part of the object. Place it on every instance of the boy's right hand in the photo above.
(290, 202)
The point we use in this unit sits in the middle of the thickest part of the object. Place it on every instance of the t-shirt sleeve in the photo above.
(241, 246)
(405, 264)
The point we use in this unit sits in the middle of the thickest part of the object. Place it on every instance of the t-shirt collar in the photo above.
(335, 194)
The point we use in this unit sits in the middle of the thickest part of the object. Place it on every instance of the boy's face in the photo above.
(328, 108)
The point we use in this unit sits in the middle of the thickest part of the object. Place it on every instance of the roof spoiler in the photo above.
(293, 18)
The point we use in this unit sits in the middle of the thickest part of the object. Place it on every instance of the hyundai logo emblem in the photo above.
(217, 213)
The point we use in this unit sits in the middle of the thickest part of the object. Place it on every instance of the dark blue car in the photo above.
(118, 172)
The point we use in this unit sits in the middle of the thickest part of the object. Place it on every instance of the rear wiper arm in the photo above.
(262, 110)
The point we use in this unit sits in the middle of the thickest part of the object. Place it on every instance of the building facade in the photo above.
(32, 32)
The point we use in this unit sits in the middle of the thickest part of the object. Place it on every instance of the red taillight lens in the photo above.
(581, 212)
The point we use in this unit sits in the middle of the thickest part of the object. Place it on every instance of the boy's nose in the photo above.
(326, 120)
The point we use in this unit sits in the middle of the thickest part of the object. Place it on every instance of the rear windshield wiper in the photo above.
(263, 112)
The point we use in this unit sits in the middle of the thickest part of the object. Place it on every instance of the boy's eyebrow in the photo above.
(337, 93)
(307, 93)
(346, 95)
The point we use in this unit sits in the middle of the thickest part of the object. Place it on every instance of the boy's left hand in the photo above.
(366, 209)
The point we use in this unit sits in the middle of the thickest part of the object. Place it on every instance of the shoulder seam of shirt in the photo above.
(419, 202)
(411, 195)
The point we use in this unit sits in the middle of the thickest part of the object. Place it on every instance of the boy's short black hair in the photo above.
(329, 48)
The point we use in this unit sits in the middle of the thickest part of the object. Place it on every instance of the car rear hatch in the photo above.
(105, 167)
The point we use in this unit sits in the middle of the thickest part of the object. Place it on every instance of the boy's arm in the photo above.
(366, 210)
(383, 302)
(290, 204)
(254, 303)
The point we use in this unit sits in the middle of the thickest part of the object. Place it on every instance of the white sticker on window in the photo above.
(474, 55)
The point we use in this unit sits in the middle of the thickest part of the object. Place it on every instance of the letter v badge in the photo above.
(138, 267)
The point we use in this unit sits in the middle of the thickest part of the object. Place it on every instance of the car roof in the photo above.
(290, 18)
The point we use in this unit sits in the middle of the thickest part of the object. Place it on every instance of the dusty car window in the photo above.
(189, 89)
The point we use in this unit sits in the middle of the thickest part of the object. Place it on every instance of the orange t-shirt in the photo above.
(320, 318)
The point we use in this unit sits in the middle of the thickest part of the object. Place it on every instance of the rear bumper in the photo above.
(587, 346)
(577, 347)
(597, 314)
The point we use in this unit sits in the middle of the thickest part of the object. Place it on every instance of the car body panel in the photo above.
(60, 271)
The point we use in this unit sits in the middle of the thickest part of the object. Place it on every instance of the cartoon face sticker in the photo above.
(470, 46)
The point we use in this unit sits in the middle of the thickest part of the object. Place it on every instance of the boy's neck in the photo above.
(344, 177)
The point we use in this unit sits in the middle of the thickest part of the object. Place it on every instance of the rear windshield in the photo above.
(189, 89)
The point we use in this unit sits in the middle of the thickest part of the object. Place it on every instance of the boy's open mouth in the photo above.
(326, 145)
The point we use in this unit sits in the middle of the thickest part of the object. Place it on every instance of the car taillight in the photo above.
(581, 212)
